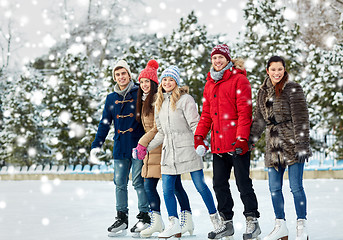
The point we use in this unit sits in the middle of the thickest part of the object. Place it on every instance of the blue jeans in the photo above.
(168, 185)
(295, 175)
(150, 185)
(121, 178)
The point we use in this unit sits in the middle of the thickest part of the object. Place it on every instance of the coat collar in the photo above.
(227, 74)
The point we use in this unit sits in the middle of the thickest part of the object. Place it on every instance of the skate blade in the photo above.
(136, 235)
(228, 238)
(118, 234)
(188, 236)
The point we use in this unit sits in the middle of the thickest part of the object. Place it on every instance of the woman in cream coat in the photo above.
(151, 170)
(176, 118)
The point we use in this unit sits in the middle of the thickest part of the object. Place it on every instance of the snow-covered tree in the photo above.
(324, 84)
(267, 34)
(320, 21)
(22, 132)
(71, 102)
(139, 50)
(189, 47)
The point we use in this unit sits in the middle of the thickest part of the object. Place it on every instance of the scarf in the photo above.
(144, 96)
(216, 76)
(125, 91)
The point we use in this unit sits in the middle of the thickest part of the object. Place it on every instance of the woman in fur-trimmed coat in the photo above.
(281, 110)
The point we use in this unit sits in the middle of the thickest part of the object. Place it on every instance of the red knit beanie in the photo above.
(222, 49)
(150, 71)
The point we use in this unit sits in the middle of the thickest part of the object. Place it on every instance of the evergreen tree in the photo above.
(22, 133)
(267, 34)
(189, 48)
(139, 51)
(71, 103)
(324, 84)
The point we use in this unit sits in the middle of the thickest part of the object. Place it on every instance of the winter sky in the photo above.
(38, 24)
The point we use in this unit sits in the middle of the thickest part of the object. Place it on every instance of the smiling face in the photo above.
(168, 84)
(122, 78)
(145, 85)
(219, 62)
(276, 71)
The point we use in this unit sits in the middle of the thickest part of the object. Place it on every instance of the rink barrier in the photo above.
(105, 173)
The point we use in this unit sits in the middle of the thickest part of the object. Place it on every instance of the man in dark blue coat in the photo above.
(120, 108)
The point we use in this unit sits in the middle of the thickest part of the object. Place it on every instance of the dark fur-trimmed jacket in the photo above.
(286, 121)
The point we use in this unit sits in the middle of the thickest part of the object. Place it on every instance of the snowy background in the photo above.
(55, 72)
(79, 210)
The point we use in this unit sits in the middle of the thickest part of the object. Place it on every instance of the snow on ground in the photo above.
(82, 210)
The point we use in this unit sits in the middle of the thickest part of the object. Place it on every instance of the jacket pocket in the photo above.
(184, 151)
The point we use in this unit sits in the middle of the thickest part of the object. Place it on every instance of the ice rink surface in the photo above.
(82, 210)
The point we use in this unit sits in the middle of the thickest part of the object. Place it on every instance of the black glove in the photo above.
(302, 157)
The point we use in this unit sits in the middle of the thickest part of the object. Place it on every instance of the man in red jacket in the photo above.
(227, 112)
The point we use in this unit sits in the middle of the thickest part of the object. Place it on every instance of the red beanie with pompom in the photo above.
(150, 71)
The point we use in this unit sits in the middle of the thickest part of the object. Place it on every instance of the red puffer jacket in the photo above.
(227, 110)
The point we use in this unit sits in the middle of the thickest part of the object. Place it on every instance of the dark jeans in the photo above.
(150, 186)
(222, 165)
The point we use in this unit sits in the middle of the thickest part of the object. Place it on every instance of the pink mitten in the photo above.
(141, 152)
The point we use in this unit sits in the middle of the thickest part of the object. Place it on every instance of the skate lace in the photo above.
(221, 228)
(183, 219)
(300, 230)
(116, 223)
(250, 225)
(152, 220)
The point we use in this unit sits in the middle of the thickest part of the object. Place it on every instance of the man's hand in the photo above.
(93, 158)
(241, 146)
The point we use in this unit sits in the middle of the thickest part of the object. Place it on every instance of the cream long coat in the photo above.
(152, 162)
(176, 132)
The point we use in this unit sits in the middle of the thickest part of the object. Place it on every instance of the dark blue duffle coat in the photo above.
(127, 130)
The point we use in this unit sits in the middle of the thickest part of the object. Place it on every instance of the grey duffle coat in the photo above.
(176, 132)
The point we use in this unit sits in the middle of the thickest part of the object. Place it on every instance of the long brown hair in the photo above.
(279, 86)
(147, 108)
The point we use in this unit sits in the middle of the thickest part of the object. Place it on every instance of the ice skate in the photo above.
(225, 231)
(280, 231)
(156, 225)
(118, 228)
(186, 222)
(143, 223)
(216, 221)
(301, 230)
(173, 229)
(253, 230)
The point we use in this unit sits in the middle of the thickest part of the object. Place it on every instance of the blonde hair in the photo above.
(175, 96)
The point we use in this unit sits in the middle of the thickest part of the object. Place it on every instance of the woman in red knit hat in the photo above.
(151, 170)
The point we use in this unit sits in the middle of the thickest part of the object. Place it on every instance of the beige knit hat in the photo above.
(121, 63)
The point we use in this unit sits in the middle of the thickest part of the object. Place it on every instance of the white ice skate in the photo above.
(173, 229)
(186, 222)
(156, 225)
(280, 231)
(301, 230)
